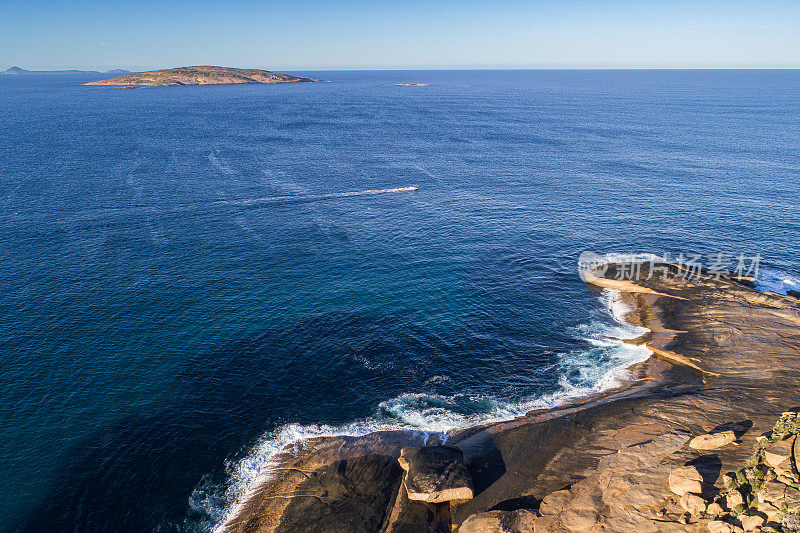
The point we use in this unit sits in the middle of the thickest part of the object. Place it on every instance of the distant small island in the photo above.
(21, 71)
(201, 75)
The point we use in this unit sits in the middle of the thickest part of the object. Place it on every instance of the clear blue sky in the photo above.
(307, 35)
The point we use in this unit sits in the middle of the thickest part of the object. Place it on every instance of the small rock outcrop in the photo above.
(435, 474)
(685, 479)
(694, 504)
(779, 452)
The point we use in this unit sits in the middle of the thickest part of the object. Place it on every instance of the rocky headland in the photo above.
(201, 75)
(690, 443)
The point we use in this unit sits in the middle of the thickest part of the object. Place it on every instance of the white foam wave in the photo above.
(259, 465)
(776, 281)
(601, 367)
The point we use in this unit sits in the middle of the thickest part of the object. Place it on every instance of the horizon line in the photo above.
(400, 69)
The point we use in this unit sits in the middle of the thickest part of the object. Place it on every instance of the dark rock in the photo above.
(351, 495)
(436, 474)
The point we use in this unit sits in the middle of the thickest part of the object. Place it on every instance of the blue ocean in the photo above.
(194, 277)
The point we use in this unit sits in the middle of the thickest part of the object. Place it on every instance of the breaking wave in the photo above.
(601, 366)
(777, 281)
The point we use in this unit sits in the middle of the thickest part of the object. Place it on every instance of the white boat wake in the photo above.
(309, 197)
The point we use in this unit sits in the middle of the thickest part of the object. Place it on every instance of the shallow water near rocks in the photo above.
(186, 288)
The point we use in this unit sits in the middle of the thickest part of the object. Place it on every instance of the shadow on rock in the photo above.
(513, 504)
(738, 428)
(709, 467)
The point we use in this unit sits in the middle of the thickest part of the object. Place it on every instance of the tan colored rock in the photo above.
(685, 479)
(693, 504)
(555, 502)
(718, 526)
(579, 520)
(712, 441)
(778, 452)
(772, 512)
(771, 492)
(729, 481)
(714, 510)
(750, 523)
(791, 498)
(519, 521)
(785, 469)
(734, 498)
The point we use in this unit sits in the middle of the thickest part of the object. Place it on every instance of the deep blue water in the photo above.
(166, 321)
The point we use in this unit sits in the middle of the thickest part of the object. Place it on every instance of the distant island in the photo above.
(22, 71)
(201, 75)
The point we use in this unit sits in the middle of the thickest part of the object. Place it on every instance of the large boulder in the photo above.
(751, 522)
(791, 500)
(718, 526)
(712, 441)
(779, 452)
(733, 499)
(772, 492)
(685, 479)
(519, 521)
(435, 474)
(693, 504)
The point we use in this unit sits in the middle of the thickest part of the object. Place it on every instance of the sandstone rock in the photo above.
(519, 521)
(785, 469)
(693, 504)
(685, 518)
(555, 502)
(729, 480)
(435, 474)
(750, 523)
(778, 452)
(772, 512)
(647, 453)
(791, 499)
(714, 510)
(712, 441)
(718, 526)
(579, 520)
(734, 498)
(771, 492)
(685, 479)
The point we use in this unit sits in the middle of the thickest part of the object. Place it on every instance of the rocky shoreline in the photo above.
(724, 367)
